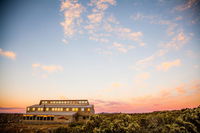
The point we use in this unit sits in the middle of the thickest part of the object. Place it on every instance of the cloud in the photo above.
(152, 19)
(116, 85)
(48, 68)
(95, 18)
(191, 54)
(101, 5)
(167, 65)
(123, 48)
(98, 23)
(177, 41)
(8, 54)
(124, 33)
(179, 18)
(45, 70)
(72, 11)
(180, 89)
(189, 4)
(113, 87)
(143, 76)
(149, 60)
(11, 110)
(139, 16)
(185, 95)
(170, 25)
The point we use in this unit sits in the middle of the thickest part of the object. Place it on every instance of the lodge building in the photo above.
(58, 111)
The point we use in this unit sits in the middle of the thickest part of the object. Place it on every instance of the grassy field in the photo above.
(177, 121)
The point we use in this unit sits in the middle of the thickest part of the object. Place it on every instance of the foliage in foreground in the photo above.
(178, 121)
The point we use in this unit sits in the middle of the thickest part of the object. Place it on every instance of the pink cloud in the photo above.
(12, 110)
(163, 100)
(187, 5)
(167, 65)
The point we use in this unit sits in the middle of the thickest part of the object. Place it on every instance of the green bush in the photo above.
(178, 121)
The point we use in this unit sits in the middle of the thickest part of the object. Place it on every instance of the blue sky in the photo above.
(107, 51)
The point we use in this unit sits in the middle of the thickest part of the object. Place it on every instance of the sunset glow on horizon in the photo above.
(128, 56)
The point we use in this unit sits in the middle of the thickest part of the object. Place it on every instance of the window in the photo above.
(47, 109)
(33, 109)
(88, 109)
(40, 109)
(82, 109)
(74, 109)
(53, 109)
(67, 109)
(28, 109)
(61, 109)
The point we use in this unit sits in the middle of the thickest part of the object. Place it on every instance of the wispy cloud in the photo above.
(167, 65)
(45, 70)
(124, 33)
(143, 63)
(8, 54)
(139, 16)
(96, 18)
(153, 19)
(123, 48)
(187, 5)
(177, 41)
(72, 11)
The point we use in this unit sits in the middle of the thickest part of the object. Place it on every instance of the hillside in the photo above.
(177, 121)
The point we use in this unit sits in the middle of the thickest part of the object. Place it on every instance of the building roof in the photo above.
(61, 106)
(50, 113)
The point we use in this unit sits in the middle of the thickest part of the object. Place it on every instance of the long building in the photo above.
(58, 111)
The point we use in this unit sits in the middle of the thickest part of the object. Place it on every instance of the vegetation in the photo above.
(178, 121)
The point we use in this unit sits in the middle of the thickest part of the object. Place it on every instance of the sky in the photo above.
(122, 55)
